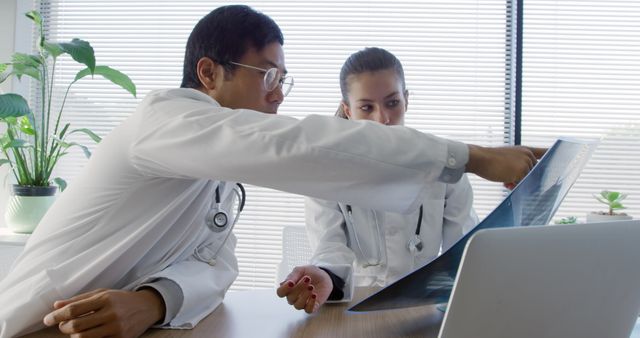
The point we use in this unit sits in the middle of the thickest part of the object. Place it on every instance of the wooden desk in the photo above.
(260, 313)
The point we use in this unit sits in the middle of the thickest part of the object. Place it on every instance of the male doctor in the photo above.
(128, 246)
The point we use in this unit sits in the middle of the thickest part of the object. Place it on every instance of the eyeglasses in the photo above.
(272, 79)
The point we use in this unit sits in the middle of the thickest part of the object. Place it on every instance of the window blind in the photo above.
(581, 78)
(455, 54)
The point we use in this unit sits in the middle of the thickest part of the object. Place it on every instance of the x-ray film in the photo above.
(533, 201)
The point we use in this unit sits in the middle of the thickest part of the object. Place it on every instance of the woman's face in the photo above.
(376, 96)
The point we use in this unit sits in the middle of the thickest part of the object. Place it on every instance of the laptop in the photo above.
(564, 281)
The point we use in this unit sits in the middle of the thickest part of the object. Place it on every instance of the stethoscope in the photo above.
(217, 220)
(414, 245)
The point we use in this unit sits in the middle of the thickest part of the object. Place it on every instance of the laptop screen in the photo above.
(533, 201)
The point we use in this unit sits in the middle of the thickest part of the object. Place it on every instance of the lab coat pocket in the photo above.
(209, 250)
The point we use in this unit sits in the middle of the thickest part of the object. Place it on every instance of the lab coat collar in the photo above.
(189, 93)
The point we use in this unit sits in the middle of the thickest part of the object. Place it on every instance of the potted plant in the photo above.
(33, 142)
(613, 200)
(567, 220)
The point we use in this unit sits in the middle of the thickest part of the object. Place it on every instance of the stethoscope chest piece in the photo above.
(217, 220)
(415, 244)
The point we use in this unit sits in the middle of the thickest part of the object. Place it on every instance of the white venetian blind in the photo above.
(582, 79)
(454, 54)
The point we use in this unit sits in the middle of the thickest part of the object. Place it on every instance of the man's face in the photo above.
(245, 89)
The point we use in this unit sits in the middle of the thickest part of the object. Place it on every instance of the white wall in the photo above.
(7, 47)
(7, 33)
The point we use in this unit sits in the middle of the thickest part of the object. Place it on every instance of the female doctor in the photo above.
(365, 247)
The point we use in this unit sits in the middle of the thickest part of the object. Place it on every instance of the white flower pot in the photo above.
(27, 206)
(596, 218)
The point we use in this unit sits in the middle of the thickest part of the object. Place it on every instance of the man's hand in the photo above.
(106, 313)
(508, 165)
(307, 287)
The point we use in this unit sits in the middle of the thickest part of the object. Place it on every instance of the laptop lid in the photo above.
(533, 202)
(553, 281)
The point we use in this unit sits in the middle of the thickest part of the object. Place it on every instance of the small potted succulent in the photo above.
(613, 200)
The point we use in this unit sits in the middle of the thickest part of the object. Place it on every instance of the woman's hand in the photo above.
(307, 287)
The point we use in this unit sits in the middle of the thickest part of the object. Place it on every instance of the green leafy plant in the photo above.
(32, 143)
(612, 199)
(567, 220)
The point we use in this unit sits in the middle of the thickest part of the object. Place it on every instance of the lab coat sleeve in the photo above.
(352, 162)
(202, 286)
(459, 215)
(328, 240)
(171, 295)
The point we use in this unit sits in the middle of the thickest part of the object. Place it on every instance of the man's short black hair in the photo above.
(224, 35)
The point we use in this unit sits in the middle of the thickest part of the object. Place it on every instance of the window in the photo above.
(456, 56)
(581, 78)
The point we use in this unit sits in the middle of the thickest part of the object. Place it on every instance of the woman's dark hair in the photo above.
(370, 59)
(224, 35)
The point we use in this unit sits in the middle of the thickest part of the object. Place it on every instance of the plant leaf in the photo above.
(62, 143)
(601, 200)
(64, 130)
(35, 17)
(13, 105)
(85, 150)
(26, 59)
(89, 133)
(112, 75)
(53, 48)
(4, 161)
(20, 69)
(17, 143)
(612, 196)
(67, 145)
(62, 184)
(80, 51)
(617, 205)
(4, 74)
(26, 126)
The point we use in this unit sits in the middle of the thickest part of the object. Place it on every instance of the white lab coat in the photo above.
(137, 211)
(373, 249)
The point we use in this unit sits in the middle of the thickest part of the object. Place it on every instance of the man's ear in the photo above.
(406, 99)
(346, 110)
(209, 73)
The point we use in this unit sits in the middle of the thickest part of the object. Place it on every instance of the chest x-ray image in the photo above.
(533, 201)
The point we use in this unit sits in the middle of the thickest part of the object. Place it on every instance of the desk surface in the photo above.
(260, 313)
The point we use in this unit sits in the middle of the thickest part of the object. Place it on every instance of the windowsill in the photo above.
(11, 238)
